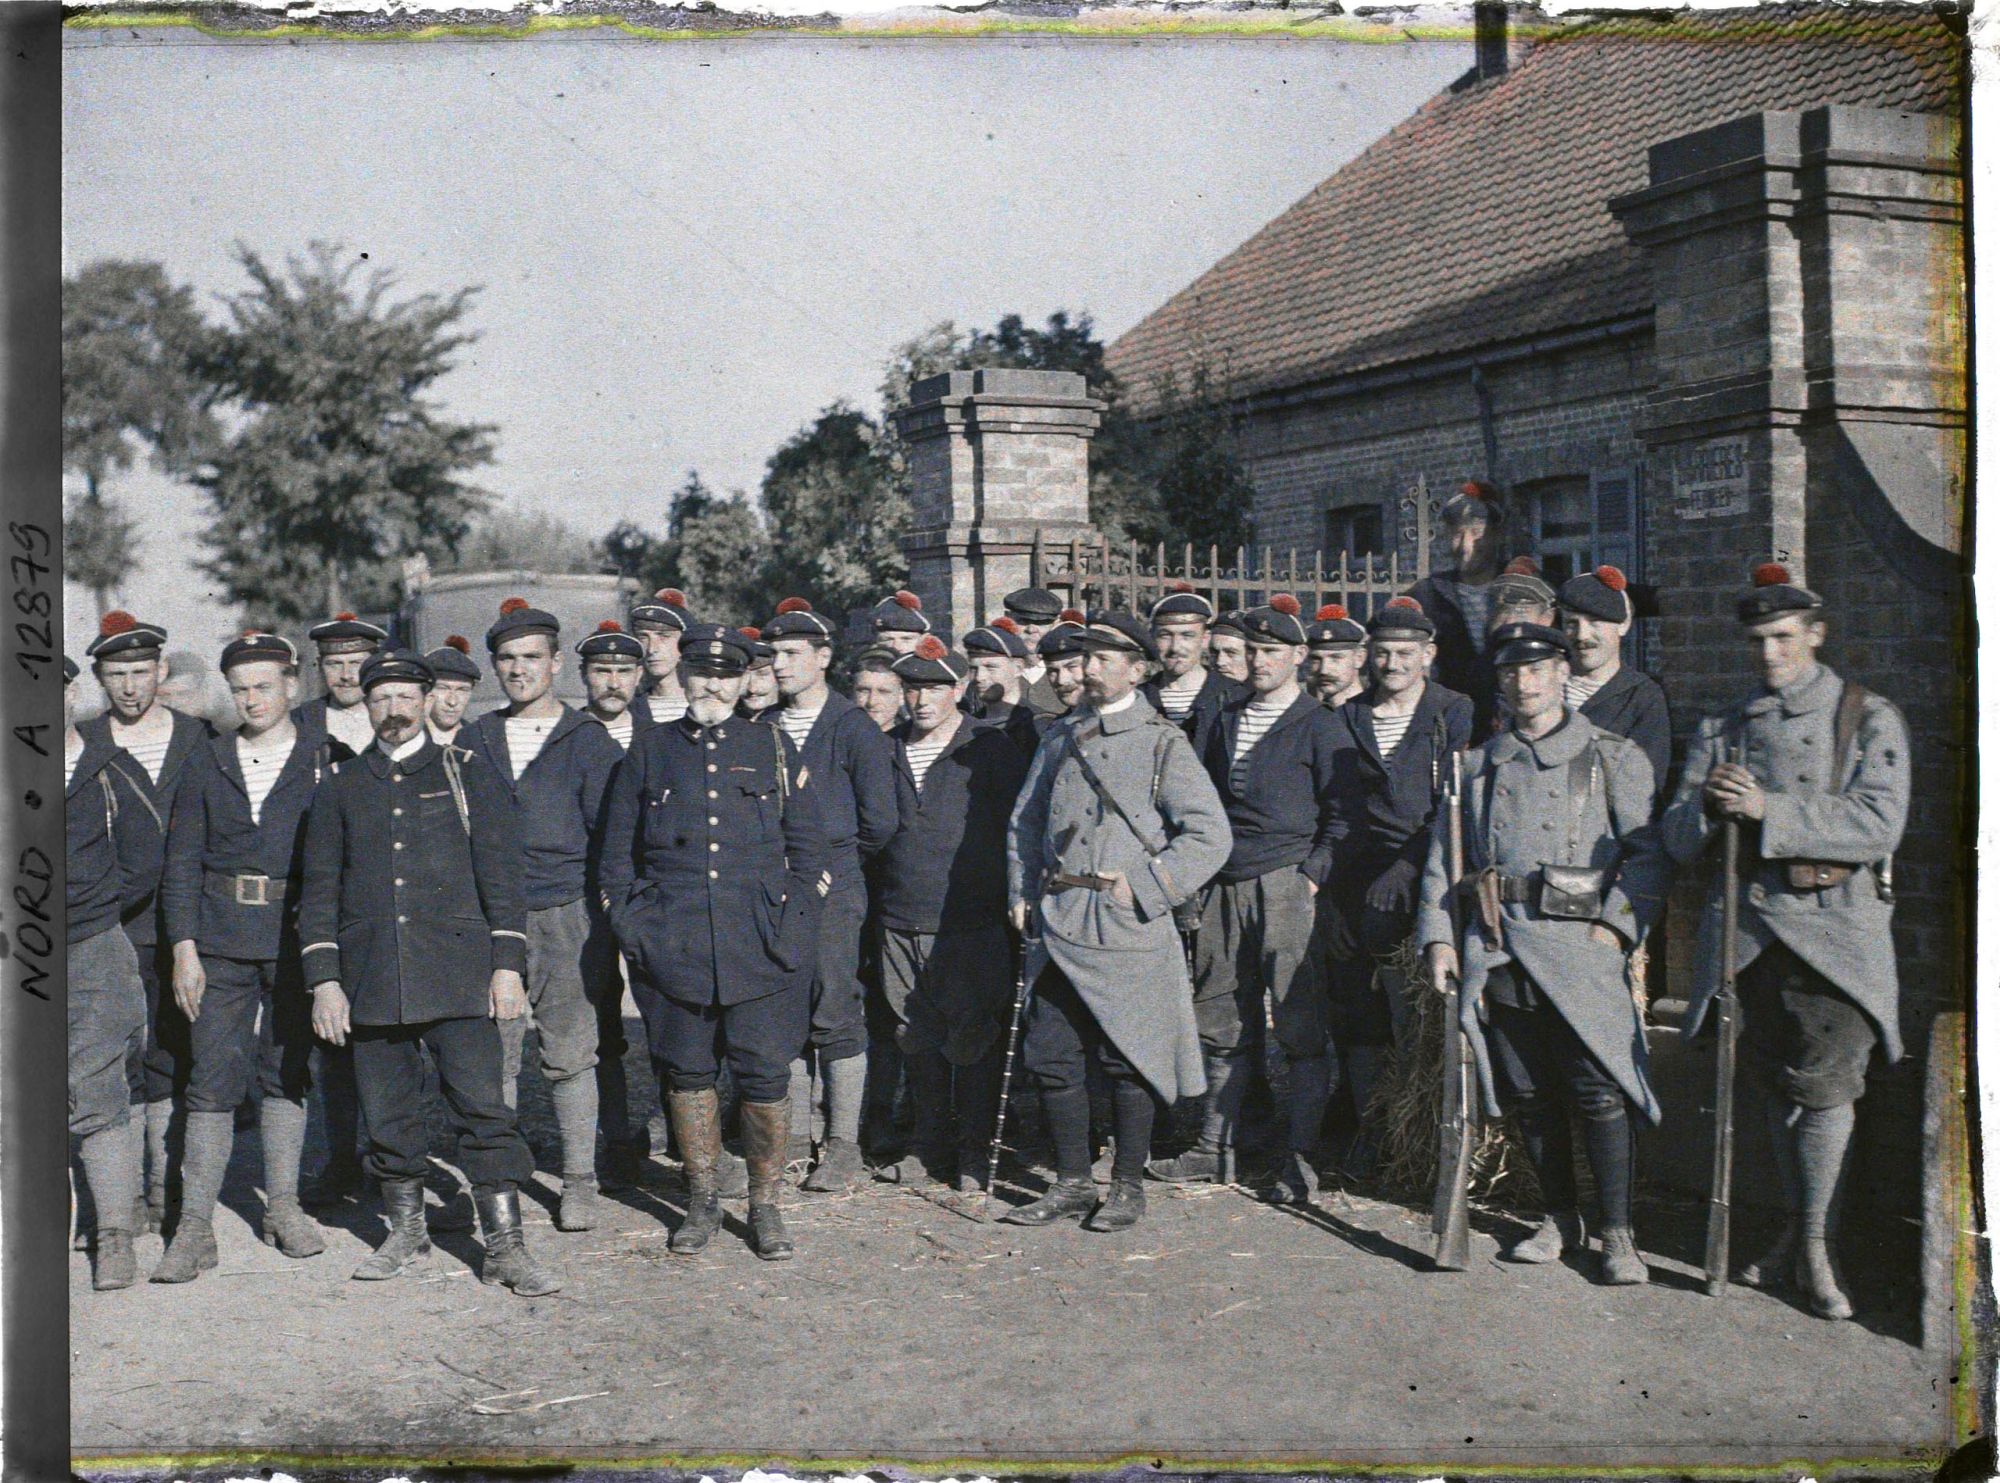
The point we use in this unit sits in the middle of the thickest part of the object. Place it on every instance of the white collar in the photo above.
(1130, 700)
(409, 748)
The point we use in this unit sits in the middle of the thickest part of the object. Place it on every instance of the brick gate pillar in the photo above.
(994, 455)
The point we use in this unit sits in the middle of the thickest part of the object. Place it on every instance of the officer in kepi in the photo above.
(1564, 873)
(1116, 826)
(416, 940)
(714, 870)
(1820, 783)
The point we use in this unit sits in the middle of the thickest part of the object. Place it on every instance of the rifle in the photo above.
(1451, 1211)
(1717, 1260)
(1006, 1079)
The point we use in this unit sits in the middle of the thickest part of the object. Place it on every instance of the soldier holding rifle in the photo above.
(1820, 795)
(1565, 873)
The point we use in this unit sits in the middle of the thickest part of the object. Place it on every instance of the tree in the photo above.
(840, 503)
(715, 549)
(132, 340)
(1194, 468)
(336, 464)
(505, 538)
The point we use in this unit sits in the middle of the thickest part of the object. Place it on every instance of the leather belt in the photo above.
(1517, 889)
(1062, 881)
(1816, 875)
(246, 890)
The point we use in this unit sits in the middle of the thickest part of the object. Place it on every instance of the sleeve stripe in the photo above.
(502, 932)
(317, 947)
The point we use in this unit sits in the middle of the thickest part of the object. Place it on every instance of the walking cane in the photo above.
(1006, 1080)
(1717, 1263)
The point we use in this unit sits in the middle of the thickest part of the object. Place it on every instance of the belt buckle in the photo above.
(262, 883)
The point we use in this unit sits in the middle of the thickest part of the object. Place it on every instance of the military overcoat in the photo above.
(1817, 807)
(1521, 812)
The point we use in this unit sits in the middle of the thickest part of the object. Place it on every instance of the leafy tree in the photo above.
(336, 463)
(505, 537)
(1189, 459)
(131, 388)
(840, 502)
(715, 549)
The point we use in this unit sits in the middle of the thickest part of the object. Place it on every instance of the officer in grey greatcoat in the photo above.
(1564, 873)
(1116, 826)
(1822, 790)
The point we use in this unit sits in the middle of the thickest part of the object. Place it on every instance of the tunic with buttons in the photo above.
(1517, 810)
(407, 906)
(1855, 818)
(716, 862)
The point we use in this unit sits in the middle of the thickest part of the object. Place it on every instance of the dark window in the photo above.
(1354, 529)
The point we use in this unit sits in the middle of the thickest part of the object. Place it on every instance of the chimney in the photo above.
(1489, 38)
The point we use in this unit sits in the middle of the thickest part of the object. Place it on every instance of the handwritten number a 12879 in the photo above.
(41, 635)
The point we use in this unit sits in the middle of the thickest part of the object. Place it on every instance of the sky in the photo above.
(687, 249)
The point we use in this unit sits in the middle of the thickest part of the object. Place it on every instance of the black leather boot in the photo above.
(507, 1261)
(697, 1119)
(1064, 1199)
(409, 1240)
(766, 1126)
(1122, 1207)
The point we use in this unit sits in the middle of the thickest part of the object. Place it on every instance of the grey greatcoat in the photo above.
(1527, 785)
(1855, 818)
(1126, 962)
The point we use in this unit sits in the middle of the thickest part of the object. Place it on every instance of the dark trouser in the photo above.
(690, 1042)
(562, 963)
(1802, 1037)
(1060, 1044)
(389, 1074)
(106, 1008)
(1361, 1010)
(606, 987)
(233, 1042)
(1544, 1070)
(157, 1062)
(839, 1002)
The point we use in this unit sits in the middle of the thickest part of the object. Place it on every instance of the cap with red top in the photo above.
(902, 611)
(1277, 622)
(665, 611)
(610, 641)
(1402, 618)
(344, 633)
(1002, 637)
(1598, 594)
(518, 619)
(795, 619)
(930, 663)
(1773, 594)
(1520, 585)
(1061, 639)
(1475, 499)
(1332, 628)
(121, 636)
(1181, 601)
(452, 660)
(760, 651)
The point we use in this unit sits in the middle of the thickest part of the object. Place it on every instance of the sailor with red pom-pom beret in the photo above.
(899, 621)
(121, 636)
(456, 673)
(1599, 594)
(609, 640)
(452, 660)
(1772, 591)
(666, 610)
(1334, 628)
(520, 618)
(795, 619)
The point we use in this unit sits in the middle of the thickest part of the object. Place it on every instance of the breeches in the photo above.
(1258, 935)
(758, 1039)
(1061, 1040)
(255, 1021)
(1803, 1037)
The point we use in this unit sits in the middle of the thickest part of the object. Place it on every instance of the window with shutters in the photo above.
(1578, 521)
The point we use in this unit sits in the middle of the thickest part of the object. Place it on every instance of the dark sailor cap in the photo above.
(610, 641)
(1527, 643)
(930, 663)
(715, 649)
(396, 665)
(1107, 630)
(256, 647)
(121, 636)
(452, 660)
(344, 633)
(1773, 594)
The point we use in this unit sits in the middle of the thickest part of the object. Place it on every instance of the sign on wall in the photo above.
(1712, 479)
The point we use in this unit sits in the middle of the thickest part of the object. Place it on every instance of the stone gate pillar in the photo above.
(994, 455)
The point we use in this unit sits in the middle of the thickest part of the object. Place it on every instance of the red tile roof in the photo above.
(1481, 218)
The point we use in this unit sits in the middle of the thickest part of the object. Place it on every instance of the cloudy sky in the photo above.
(686, 249)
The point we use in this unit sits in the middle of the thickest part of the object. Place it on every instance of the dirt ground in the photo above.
(1219, 1330)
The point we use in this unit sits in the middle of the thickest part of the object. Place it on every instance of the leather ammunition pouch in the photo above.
(1574, 892)
(1816, 875)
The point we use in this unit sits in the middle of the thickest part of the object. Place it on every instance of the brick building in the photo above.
(1692, 292)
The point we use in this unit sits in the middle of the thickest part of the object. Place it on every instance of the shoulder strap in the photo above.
(110, 799)
(1846, 726)
(784, 777)
(1109, 799)
(452, 777)
(137, 792)
(1583, 770)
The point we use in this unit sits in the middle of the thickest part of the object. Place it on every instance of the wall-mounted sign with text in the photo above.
(1712, 479)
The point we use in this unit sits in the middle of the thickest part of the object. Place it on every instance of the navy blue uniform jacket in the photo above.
(1285, 813)
(853, 763)
(312, 717)
(1631, 704)
(715, 862)
(212, 831)
(1206, 713)
(90, 811)
(947, 870)
(1461, 664)
(1386, 808)
(406, 909)
(560, 795)
(144, 810)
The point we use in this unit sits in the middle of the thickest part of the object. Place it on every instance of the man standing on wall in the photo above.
(853, 765)
(1459, 600)
(1821, 793)
(558, 764)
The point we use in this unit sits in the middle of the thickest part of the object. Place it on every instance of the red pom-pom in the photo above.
(116, 621)
(344, 618)
(1071, 615)
(251, 633)
(1005, 624)
(794, 605)
(930, 646)
(1285, 603)
(1479, 489)
(1523, 566)
(610, 625)
(1180, 586)
(1333, 612)
(1611, 577)
(751, 633)
(459, 642)
(1404, 602)
(903, 598)
(512, 605)
(1770, 574)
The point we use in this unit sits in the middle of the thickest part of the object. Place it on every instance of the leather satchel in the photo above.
(1572, 891)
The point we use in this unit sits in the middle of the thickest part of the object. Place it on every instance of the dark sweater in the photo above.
(90, 809)
(144, 809)
(1200, 722)
(560, 798)
(946, 870)
(1386, 807)
(1631, 704)
(1461, 658)
(853, 766)
(212, 831)
(1284, 814)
